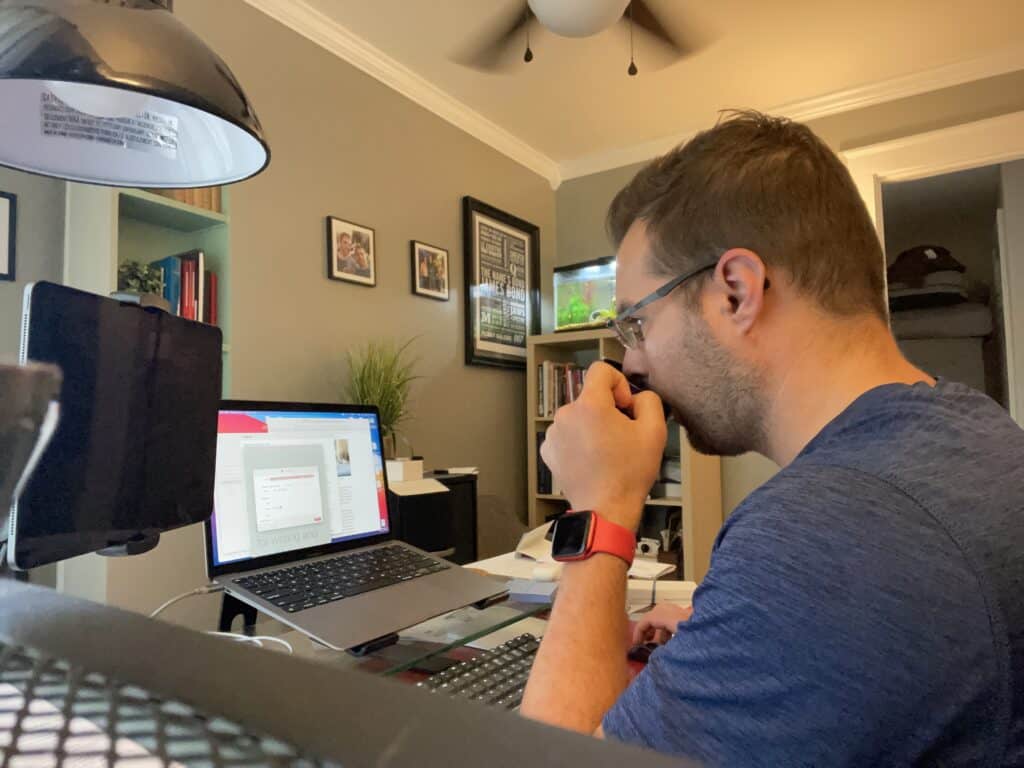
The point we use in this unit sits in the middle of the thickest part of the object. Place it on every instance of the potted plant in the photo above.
(381, 374)
(144, 280)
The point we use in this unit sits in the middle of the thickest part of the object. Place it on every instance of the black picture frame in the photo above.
(8, 201)
(335, 271)
(437, 287)
(488, 351)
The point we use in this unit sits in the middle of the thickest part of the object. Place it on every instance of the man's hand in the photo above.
(660, 623)
(604, 460)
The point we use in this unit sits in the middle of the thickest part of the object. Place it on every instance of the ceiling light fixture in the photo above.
(578, 18)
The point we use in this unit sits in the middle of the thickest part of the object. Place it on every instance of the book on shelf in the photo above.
(190, 288)
(547, 484)
(543, 473)
(171, 269)
(558, 384)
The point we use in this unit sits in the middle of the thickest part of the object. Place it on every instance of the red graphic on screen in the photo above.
(239, 423)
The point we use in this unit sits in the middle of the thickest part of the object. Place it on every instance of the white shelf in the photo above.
(667, 502)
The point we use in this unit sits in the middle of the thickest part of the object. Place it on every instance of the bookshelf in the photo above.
(701, 500)
(106, 227)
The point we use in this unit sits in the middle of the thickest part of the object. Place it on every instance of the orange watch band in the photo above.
(611, 538)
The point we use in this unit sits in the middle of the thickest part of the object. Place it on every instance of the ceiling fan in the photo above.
(573, 18)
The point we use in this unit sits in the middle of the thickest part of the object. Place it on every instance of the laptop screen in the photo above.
(290, 480)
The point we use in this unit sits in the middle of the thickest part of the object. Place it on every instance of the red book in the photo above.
(188, 300)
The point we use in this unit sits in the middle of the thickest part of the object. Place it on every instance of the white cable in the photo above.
(256, 640)
(204, 590)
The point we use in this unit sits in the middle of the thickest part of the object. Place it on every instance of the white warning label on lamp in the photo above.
(145, 132)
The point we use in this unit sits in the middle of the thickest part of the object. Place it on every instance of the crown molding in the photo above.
(999, 63)
(326, 32)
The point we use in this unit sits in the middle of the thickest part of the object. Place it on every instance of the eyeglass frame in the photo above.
(629, 329)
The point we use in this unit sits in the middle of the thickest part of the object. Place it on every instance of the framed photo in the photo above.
(351, 252)
(8, 225)
(429, 270)
(502, 284)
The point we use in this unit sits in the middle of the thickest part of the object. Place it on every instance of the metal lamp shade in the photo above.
(120, 94)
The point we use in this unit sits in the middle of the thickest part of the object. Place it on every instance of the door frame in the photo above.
(992, 141)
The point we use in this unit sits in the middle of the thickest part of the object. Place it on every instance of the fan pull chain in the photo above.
(632, 64)
(528, 56)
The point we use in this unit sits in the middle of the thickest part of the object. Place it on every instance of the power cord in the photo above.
(207, 589)
(256, 640)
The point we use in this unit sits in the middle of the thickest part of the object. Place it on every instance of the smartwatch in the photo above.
(578, 535)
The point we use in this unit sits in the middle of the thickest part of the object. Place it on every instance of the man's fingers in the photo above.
(647, 408)
(601, 378)
(640, 632)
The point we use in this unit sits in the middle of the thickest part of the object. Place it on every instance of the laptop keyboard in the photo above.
(497, 677)
(307, 585)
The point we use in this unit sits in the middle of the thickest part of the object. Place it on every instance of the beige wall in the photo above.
(582, 202)
(39, 247)
(344, 144)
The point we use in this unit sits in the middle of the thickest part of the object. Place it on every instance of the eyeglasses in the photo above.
(630, 329)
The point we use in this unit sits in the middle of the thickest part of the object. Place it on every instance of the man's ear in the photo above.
(743, 277)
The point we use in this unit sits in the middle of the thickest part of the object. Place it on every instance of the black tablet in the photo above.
(134, 450)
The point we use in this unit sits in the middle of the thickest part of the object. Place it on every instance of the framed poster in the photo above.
(429, 271)
(502, 284)
(8, 222)
(351, 252)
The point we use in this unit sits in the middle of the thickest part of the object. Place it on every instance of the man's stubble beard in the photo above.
(718, 400)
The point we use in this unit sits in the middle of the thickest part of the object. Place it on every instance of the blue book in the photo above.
(171, 267)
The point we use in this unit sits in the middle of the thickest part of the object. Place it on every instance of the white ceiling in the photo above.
(575, 105)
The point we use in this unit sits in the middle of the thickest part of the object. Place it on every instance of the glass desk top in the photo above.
(430, 645)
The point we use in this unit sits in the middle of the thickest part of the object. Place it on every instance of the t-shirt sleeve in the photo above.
(794, 645)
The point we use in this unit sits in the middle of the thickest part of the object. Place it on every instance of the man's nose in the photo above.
(633, 364)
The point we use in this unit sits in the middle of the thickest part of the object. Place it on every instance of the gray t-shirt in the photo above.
(864, 606)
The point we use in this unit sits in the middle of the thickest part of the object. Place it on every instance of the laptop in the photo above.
(301, 529)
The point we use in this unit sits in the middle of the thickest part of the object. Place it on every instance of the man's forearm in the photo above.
(580, 668)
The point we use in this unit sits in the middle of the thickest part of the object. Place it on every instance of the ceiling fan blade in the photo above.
(645, 18)
(488, 52)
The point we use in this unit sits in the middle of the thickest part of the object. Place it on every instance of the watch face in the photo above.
(571, 535)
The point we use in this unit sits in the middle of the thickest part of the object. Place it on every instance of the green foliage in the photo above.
(142, 278)
(575, 311)
(381, 374)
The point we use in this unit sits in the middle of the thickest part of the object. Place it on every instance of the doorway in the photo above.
(944, 268)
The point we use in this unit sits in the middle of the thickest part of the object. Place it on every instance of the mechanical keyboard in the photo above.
(496, 677)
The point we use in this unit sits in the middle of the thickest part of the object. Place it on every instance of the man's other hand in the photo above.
(660, 623)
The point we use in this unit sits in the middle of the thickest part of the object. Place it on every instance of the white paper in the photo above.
(535, 546)
(514, 566)
(418, 487)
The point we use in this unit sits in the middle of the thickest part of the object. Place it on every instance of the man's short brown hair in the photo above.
(767, 184)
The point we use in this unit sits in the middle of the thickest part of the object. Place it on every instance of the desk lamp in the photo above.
(120, 93)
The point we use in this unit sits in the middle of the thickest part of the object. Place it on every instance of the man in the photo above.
(863, 607)
(345, 263)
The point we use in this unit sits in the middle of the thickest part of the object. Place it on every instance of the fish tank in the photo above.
(585, 294)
